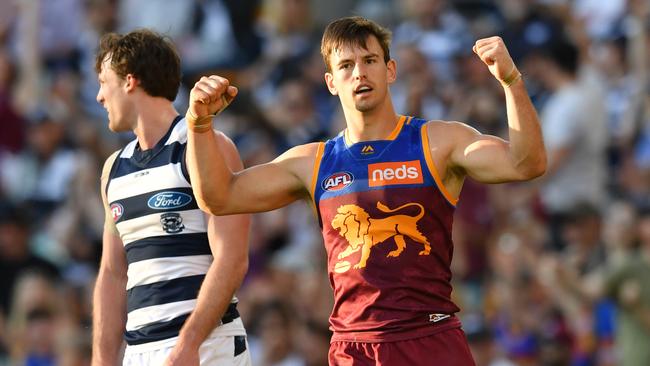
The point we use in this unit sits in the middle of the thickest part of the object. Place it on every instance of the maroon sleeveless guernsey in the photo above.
(386, 220)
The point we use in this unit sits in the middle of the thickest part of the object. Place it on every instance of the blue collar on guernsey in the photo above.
(143, 157)
(372, 149)
(342, 161)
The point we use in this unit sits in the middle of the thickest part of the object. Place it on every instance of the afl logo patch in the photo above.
(116, 211)
(169, 200)
(337, 181)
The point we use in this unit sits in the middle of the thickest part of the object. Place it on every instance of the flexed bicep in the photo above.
(485, 158)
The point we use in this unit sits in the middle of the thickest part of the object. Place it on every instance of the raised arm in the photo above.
(490, 159)
(228, 236)
(217, 188)
(109, 297)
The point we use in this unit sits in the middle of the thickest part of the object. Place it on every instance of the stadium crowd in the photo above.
(549, 272)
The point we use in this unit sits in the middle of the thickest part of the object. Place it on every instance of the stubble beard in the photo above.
(365, 105)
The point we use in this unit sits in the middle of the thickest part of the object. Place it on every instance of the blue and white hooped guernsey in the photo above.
(165, 239)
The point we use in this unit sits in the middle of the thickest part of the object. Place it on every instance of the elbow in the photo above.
(211, 207)
(537, 168)
(213, 198)
(208, 204)
(533, 169)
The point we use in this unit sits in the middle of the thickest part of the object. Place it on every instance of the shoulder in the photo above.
(300, 161)
(106, 171)
(302, 151)
(108, 164)
(450, 131)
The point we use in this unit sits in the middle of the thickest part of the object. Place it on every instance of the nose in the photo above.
(359, 71)
(99, 98)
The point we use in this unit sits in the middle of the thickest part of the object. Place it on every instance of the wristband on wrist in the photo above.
(199, 124)
(512, 78)
(204, 123)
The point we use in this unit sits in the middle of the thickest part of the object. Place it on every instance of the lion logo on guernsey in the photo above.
(362, 232)
(337, 181)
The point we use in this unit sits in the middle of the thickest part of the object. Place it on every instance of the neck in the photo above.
(155, 116)
(371, 125)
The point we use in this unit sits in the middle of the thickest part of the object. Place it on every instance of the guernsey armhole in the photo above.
(432, 167)
(314, 175)
(109, 168)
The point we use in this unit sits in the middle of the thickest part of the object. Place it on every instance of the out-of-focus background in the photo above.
(550, 272)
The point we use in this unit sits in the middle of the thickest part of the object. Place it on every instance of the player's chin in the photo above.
(115, 127)
(364, 105)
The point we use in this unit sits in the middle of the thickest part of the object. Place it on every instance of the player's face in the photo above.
(359, 76)
(112, 95)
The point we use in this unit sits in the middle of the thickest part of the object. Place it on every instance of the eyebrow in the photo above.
(365, 57)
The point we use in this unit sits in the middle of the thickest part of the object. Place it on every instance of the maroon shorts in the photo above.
(447, 348)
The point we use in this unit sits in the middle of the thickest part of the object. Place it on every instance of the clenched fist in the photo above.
(210, 95)
(494, 54)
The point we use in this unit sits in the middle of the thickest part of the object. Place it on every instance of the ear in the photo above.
(131, 82)
(329, 80)
(391, 70)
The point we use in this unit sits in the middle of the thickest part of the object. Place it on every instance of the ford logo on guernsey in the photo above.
(169, 200)
(337, 181)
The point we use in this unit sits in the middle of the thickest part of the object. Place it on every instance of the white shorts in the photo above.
(227, 350)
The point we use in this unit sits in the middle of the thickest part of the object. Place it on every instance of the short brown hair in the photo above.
(353, 31)
(149, 56)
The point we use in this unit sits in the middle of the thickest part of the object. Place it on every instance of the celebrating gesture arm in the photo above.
(490, 159)
(218, 189)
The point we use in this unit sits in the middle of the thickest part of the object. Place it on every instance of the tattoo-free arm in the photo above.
(109, 296)
(228, 236)
(490, 159)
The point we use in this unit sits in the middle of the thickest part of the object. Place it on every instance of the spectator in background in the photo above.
(12, 124)
(293, 114)
(314, 342)
(34, 320)
(627, 284)
(289, 35)
(567, 277)
(437, 30)
(575, 135)
(275, 334)
(416, 92)
(16, 256)
(41, 173)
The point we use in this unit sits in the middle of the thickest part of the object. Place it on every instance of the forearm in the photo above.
(221, 282)
(109, 319)
(526, 143)
(208, 170)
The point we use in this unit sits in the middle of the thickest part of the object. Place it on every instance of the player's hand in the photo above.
(182, 357)
(493, 52)
(210, 95)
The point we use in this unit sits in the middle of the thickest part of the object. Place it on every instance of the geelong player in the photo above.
(168, 271)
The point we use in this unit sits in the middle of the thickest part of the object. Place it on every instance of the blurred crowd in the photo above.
(550, 272)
